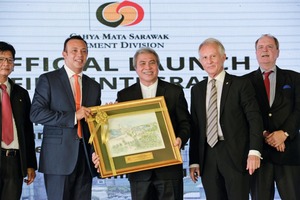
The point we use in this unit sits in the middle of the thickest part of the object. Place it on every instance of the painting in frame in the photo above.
(133, 136)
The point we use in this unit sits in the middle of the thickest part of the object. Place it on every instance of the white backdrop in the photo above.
(38, 28)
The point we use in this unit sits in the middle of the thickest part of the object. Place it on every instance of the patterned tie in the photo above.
(267, 83)
(212, 116)
(7, 124)
(77, 102)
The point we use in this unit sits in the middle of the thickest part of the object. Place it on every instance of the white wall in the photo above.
(38, 28)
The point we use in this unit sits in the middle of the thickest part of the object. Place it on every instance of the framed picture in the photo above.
(133, 136)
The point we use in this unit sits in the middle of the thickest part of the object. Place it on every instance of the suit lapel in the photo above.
(160, 89)
(136, 92)
(63, 77)
(202, 98)
(225, 91)
(280, 81)
(260, 87)
(84, 89)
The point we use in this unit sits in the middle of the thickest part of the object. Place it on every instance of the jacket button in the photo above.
(270, 114)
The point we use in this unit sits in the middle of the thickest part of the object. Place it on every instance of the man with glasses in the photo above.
(18, 158)
(8, 60)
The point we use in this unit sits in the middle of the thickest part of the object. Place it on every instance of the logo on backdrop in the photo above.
(114, 14)
(120, 15)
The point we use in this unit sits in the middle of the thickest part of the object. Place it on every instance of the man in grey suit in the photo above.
(65, 157)
(17, 158)
(165, 183)
(223, 164)
(279, 103)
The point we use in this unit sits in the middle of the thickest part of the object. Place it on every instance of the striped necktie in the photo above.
(212, 116)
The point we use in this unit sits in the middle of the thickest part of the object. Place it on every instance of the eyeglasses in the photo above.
(9, 60)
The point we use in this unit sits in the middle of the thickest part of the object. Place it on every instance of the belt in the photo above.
(9, 152)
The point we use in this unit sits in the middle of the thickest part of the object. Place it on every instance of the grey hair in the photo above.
(144, 50)
(213, 41)
(270, 36)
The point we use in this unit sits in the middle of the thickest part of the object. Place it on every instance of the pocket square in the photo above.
(286, 87)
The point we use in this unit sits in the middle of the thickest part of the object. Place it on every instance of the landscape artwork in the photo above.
(134, 134)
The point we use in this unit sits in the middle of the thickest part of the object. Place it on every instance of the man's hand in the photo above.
(83, 112)
(96, 161)
(276, 138)
(253, 163)
(194, 173)
(178, 142)
(281, 147)
(30, 176)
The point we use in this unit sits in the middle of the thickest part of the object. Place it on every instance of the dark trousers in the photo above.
(11, 179)
(76, 186)
(287, 180)
(157, 190)
(220, 179)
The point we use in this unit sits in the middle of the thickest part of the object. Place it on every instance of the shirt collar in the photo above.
(219, 78)
(154, 85)
(272, 69)
(70, 73)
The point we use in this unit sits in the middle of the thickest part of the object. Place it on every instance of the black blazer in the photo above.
(53, 106)
(20, 102)
(284, 114)
(240, 121)
(180, 117)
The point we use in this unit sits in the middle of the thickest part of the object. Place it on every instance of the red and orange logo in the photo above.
(115, 14)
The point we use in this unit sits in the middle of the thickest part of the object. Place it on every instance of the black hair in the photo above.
(73, 37)
(4, 46)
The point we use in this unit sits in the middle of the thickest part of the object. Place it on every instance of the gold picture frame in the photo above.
(133, 136)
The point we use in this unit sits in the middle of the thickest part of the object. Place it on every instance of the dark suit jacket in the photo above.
(240, 121)
(54, 107)
(284, 114)
(180, 117)
(20, 102)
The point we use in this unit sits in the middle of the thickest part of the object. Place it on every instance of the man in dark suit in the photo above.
(237, 144)
(65, 156)
(280, 108)
(18, 157)
(164, 183)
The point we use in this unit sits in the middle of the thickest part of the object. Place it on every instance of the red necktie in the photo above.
(267, 83)
(77, 102)
(7, 124)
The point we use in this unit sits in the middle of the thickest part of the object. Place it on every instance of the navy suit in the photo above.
(180, 117)
(283, 114)
(241, 125)
(54, 107)
(20, 103)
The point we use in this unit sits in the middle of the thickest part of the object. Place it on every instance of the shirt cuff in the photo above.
(255, 153)
(194, 165)
(286, 134)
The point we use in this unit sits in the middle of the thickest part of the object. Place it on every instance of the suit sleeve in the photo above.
(183, 123)
(292, 123)
(48, 106)
(194, 157)
(253, 115)
(29, 136)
